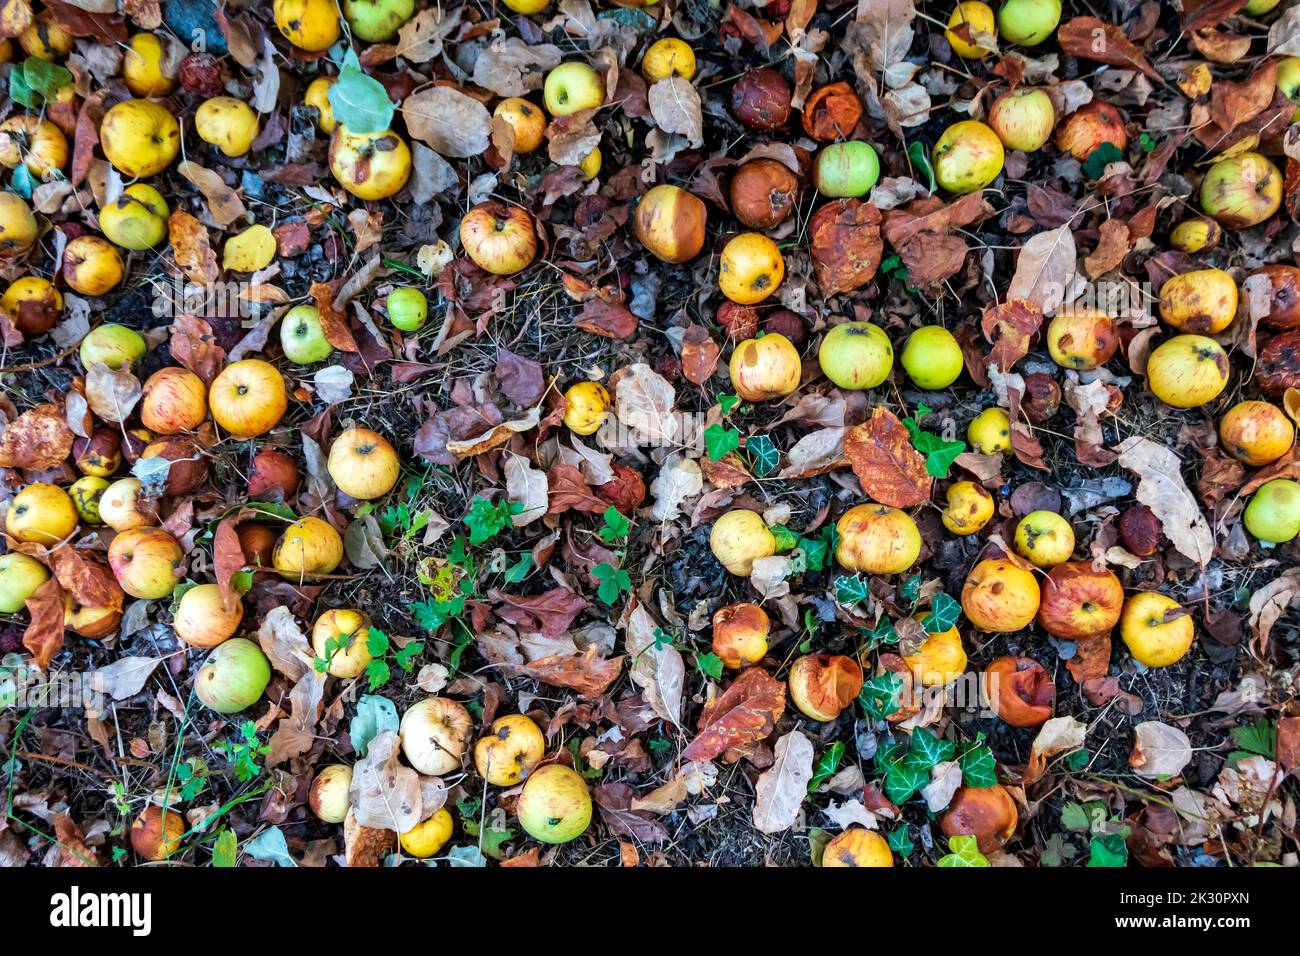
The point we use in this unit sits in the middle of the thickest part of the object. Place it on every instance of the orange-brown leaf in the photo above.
(192, 248)
(587, 673)
(90, 583)
(44, 635)
(745, 713)
(38, 440)
(1008, 327)
(333, 322)
(889, 469)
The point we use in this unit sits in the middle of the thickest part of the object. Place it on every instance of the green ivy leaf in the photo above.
(882, 633)
(978, 768)
(929, 749)
(1100, 158)
(939, 452)
(827, 765)
(727, 402)
(719, 441)
(359, 102)
(904, 778)
(910, 589)
(815, 552)
(762, 454)
(943, 616)
(881, 696)
(965, 852)
(899, 840)
(851, 589)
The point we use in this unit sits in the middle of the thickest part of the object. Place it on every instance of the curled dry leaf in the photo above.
(890, 470)
(782, 787)
(742, 715)
(37, 440)
(1159, 750)
(1057, 736)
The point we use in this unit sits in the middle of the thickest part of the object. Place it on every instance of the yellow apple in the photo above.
(371, 166)
(226, 123)
(41, 513)
(363, 464)
(146, 562)
(140, 138)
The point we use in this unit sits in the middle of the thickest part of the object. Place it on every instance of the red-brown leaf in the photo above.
(1090, 39)
(549, 613)
(44, 635)
(586, 673)
(745, 713)
(38, 440)
(1008, 327)
(889, 469)
(334, 322)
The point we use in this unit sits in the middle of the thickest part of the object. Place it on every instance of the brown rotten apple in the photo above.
(876, 539)
(273, 476)
(1019, 690)
(1090, 127)
(986, 813)
(156, 833)
(189, 466)
(822, 685)
(670, 223)
(1283, 296)
(100, 454)
(1079, 601)
(500, 239)
(763, 193)
(761, 99)
(1000, 595)
(740, 634)
(363, 464)
(1082, 339)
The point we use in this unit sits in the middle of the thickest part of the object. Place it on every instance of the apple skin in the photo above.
(175, 400)
(856, 355)
(234, 676)
(302, 336)
(20, 576)
(750, 268)
(113, 345)
(970, 507)
(1045, 538)
(967, 157)
(1028, 22)
(990, 432)
(408, 309)
(42, 514)
(765, 368)
(1000, 595)
(500, 239)
(1078, 601)
(857, 847)
(1151, 639)
(740, 634)
(572, 87)
(202, 619)
(248, 398)
(34, 305)
(738, 537)
(554, 806)
(1019, 690)
(156, 833)
(363, 464)
(1082, 339)
(307, 547)
(932, 358)
(822, 685)
(371, 166)
(846, 170)
(876, 539)
(1256, 433)
(1187, 371)
(1273, 513)
(1023, 119)
(1241, 191)
(670, 223)
(377, 20)
(1203, 301)
(510, 751)
(146, 562)
(328, 796)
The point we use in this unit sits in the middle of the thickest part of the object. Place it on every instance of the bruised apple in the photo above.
(371, 166)
(1082, 339)
(555, 806)
(822, 685)
(1079, 601)
(234, 676)
(585, 406)
(740, 634)
(990, 432)
(765, 368)
(1241, 191)
(750, 268)
(499, 238)
(1090, 127)
(272, 476)
(1203, 301)
(1045, 538)
(140, 138)
(761, 99)
(248, 398)
(363, 464)
(512, 748)
(876, 539)
(146, 562)
(856, 355)
(1256, 433)
(857, 847)
(435, 733)
(1187, 371)
(188, 467)
(1019, 690)
(970, 506)
(308, 547)
(1023, 119)
(1283, 296)
(33, 304)
(123, 508)
(201, 618)
(670, 223)
(738, 537)
(1000, 595)
(987, 813)
(311, 25)
(1195, 234)
(156, 833)
(174, 400)
(329, 797)
(1156, 629)
(763, 193)
(85, 493)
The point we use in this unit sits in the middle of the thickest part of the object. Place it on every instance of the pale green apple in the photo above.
(407, 308)
(302, 336)
(377, 20)
(1028, 22)
(112, 345)
(20, 576)
(571, 87)
(233, 677)
(856, 355)
(932, 357)
(846, 169)
(1288, 81)
(1273, 515)
(554, 806)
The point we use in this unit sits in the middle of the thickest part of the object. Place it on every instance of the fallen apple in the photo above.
(91, 266)
(1203, 301)
(555, 806)
(499, 238)
(846, 170)
(140, 138)
(1196, 234)
(308, 547)
(435, 733)
(363, 464)
(377, 20)
(1091, 126)
(1082, 339)
(148, 67)
(1023, 119)
(970, 506)
(876, 539)
(226, 123)
(20, 576)
(1256, 433)
(1019, 690)
(100, 455)
(311, 25)
(987, 813)
(1273, 513)
(341, 638)
(738, 537)
(147, 562)
(585, 408)
(1079, 601)
(857, 846)
(201, 618)
(967, 157)
(1045, 538)
(156, 833)
(1187, 371)
(18, 226)
(1241, 191)
(1156, 629)
(33, 304)
(86, 493)
(122, 507)
(371, 166)
(188, 464)
(302, 336)
(526, 119)
(761, 100)
(970, 22)
(990, 432)
(429, 836)
(137, 219)
(670, 223)
(940, 660)
(932, 357)
(113, 345)
(763, 193)
(1028, 22)
(856, 355)
(1000, 596)
(234, 676)
(35, 143)
(512, 748)
(329, 797)
(572, 87)
(408, 308)
(765, 368)
(174, 400)
(668, 57)
(740, 634)
(1288, 80)
(42, 514)
(1283, 310)
(248, 398)
(1041, 399)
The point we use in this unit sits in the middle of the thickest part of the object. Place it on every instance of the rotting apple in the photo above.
(137, 219)
(37, 144)
(856, 355)
(846, 170)
(1256, 433)
(1202, 301)
(526, 119)
(328, 796)
(970, 507)
(234, 676)
(1042, 398)
(668, 57)
(740, 634)
(1023, 119)
(1187, 371)
(1278, 367)
(302, 336)
(33, 304)
(876, 539)
(1283, 296)
(1000, 595)
(572, 87)
(1019, 690)
(201, 618)
(987, 813)
(1196, 234)
(967, 157)
(765, 368)
(257, 543)
(45, 38)
(932, 357)
(763, 193)
(501, 239)
(91, 265)
(85, 493)
(341, 638)
(739, 321)
(1241, 191)
(377, 20)
(42, 514)
(1080, 601)
(1082, 339)
(20, 576)
(555, 806)
(148, 66)
(435, 733)
(189, 464)
(738, 537)
(940, 660)
(363, 464)
(761, 99)
(585, 406)
(146, 562)
(18, 226)
(407, 308)
(970, 22)
(1090, 127)
(429, 836)
(990, 431)
(226, 123)
(670, 223)
(371, 166)
(120, 506)
(113, 345)
(1156, 629)
(1028, 22)
(857, 846)
(100, 455)
(174, 400)
(831, 112)
(512, 748)
(156, 833)
(1141, 531)
(1273, 512)
(311, 25)
(1045, 538)
(308, 547)
(822, 685)
(140, 138)
(248, 398)
(318, 98)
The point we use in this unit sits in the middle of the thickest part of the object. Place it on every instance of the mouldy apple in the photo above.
(1088, 128)
(740, 634)
(1079, 601)
(971, 21)
(113, 345)
(738, 537)
(435, 733)
(42, 514)
(932, 357)
(857, 846)
(1203, 301)
(248, 398)
(500, 239)
(1241, 191)
(668, 57)
(856, 355)
(763, 193)
(302, 336)
(970, 506)
(1082, 339)
(20, 576)
(1000, 596)
(1278, 367)
(1273, 513)
(1156, 629)
(18, 227)
(1045, 538)
(156, 833)
(233, 677)
(967, 156)
(363, 464)
(341, 638)
(146, 562)
(33, 304)
(100, 455)
(986, 813)
(670, 223)
(308, 547)
(846, 170)
(1187, 371)
(1019, 690)
(311, 25)
(765, 368)
(1042, 398)
(85, 493)
(45, 39)
(1256, 433)
(876, 539)
(822, 685)
(429, 836)
(328, 796)
(761, 100)
(1141, 531)
(1283, 296)
(1023, 119)
(201, 618)
(990, 432)
(513, 746)
(140, 138)
(174, 400)
(572, 87)
(371, 166)
(1028, 22)
(554, 806)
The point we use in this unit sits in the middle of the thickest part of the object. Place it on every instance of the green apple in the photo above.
(112, 345)
(967, 157)
(85, 493)
(20, 576)
(846, 169)
(407, 308)
(554, 806)
(1273, 515)
(932, 357)
(856, 355)
(1028, 22)
(1255, 8)
(1288, 81)
(302, 336)
(377, 20)
(571, 87)
(233, 677)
